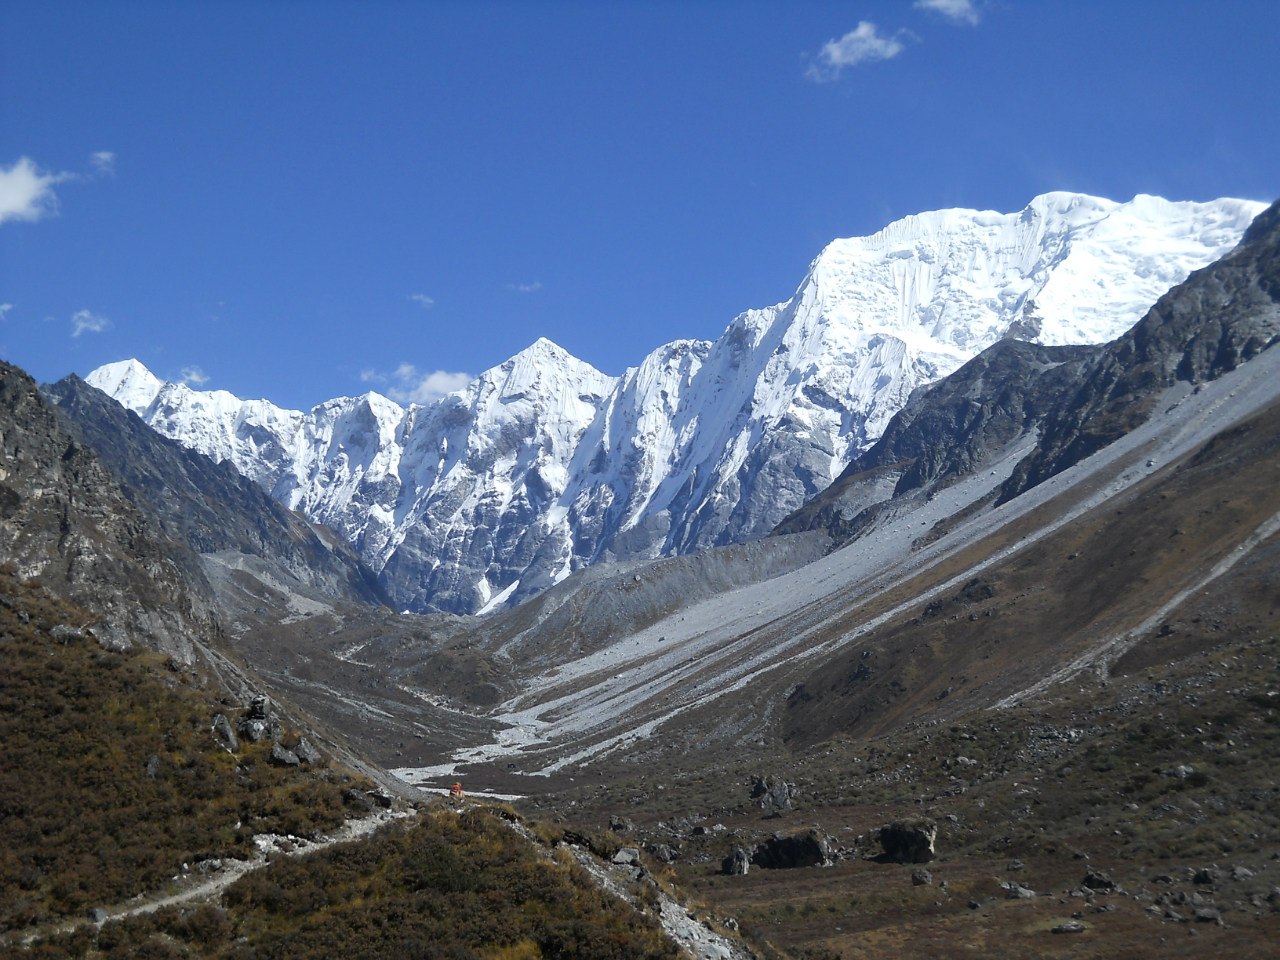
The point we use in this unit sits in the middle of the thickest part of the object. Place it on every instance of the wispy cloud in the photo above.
(4, 310)
(26, 191)
(408, 384)
(957, 11)
(525, 287)
(863, 44)
(422, 300)
(85, 321)
(103, 162)
(193, 377)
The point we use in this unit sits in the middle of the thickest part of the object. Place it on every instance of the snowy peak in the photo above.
(1067, 268)
(543, 464)
(129, 382)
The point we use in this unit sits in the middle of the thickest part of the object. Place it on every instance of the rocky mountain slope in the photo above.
(544, 465)
(1072, 401)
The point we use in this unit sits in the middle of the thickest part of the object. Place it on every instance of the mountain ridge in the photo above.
(543, 465)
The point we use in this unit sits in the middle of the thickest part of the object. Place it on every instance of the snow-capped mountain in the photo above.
(544, 464)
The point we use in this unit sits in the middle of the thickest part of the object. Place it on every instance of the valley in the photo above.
(1028, 611)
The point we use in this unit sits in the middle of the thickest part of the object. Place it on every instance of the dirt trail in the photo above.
(197, 889)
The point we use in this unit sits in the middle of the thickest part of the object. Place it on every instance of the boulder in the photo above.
(358, 800)
(282, 757)
(1016, 891)
(773, 796)
(226, 735)
(738, 863)
(153, 767)
(921, 877)
(809, 849)
(1071, 926)
(260, 723)
(909, 841)
(661, 851)
(621, 825)
(1098, 880)
(627, 855)
(306, 752)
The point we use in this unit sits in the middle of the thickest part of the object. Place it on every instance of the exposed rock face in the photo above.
(909, 841)
(543, 465)
(208, 506)
(65, 520)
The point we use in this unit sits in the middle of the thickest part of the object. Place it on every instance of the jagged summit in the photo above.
(131, 383)
(543, 464)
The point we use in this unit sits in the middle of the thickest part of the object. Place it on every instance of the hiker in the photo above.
(455, 793)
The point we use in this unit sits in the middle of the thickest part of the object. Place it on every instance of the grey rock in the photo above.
(1208, 915)
(921, 877)
(64, 632)
(1206, 876)
(663, 852)
(1016, 891)
(226, 735)
(621, 825)
(627, 855)
(97, 915)
(1098, 880)
(774, 796)
(307, 752)
(358, 800)
(282, 757)
(1071, 926)
(152, 767)
(738, 863)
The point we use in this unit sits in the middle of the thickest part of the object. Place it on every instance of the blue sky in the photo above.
(303, 200)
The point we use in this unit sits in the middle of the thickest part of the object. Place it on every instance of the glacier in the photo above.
(543, 464)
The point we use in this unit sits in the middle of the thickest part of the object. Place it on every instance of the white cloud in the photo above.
(863, 44)
(26, 192)
(958, 11)
(193, 377)
(4, 310)
(83, 321)
(104, 162)
(525, 287)
(408, 384)
(421, 298)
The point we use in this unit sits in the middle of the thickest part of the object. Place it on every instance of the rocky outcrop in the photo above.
(771, 794)
(260, 722)
(64, 519)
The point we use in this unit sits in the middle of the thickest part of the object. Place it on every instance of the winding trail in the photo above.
(268, 845)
